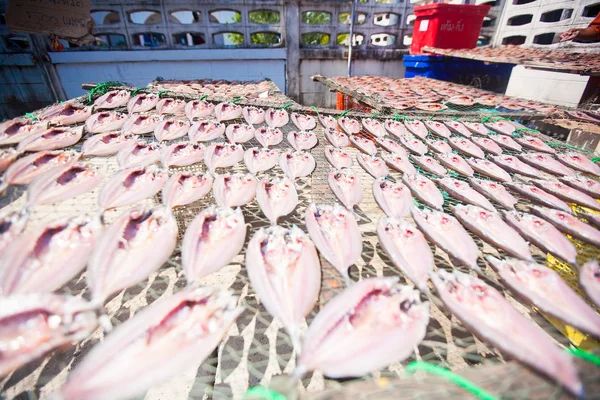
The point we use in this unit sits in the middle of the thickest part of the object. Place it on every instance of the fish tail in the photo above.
(3, 186)
(299, 372)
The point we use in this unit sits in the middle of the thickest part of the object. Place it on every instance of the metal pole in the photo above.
(350, 40)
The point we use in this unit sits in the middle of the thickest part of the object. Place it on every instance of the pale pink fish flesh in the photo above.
(138, 154)
(477, 128)
(131, 185)
(395, 128)
(205, 130)
(170, 106)
(534, 143)
(51, 139)
(133, 246)
(466, 147)
(211, 241)
(276, 118)
(458, 128)
(238, 133)
(302, 140)
(296, 164)
(413, 144)
(15, 130)
(399, 163)
(173, 334)
(363, 144)
(489, 169)
(141, 123)
(338, 158)
(506, 142)
(394, 198)
(7, 157)
(335, 232)
(371, 324)
(463, 192)
(543, 235)
(44, 260)
(253, 115)
(407, 248)
(540, 196)
(328, 122)
(337, 138)
(438, 128)
(579, 162)
(456, 163)
(26, 169)
(304, 122)
(36, 324)
(501, 127)
(258, 159)
(184, 188)
(268, 136)
(62, 183)
(142, 102)
(181, 154)
(490, 227)
(567, 194)
(430, 165)
(170, 129)
(349, 125)
(494, 191)
(392, 146)
(487, 145)
(589, 280)
(233, 190)
(374, 127)
(424, 189)
(547, 291)
(12, 225)
(112, 99)
(485, 311)
(345, 184)
(285, 272)
(105, 121)
(514, 165)
(449, 235)
(67, 114)
(591, 187)
(222, 155)
(373, 164)
(198, 109)
(417, 128)
(438, 146)
(568, 224)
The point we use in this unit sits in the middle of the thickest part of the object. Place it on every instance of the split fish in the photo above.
(507, 142)
(335, 232)
(568, 224)
(463, 192)
(238, 133)
(489, 169)
(338, 158)
(399, 163)
(484, 311)
(222, 155)
(170, 106)
(413, 144)
(302, 140)
(487, 145)
(268, 136)
(170, 129)
(112, 99)
(227, 111)
(7, 157)
(211, 241)
(456, 163)
(142, 102)
(260, 159)
(234, 190)
(568, 194)
(131, 185)
(363, 144)
(181, 154)
(477, 128)
(285, 272)
(373, 164)
(417, 128)
(543, 235)
(141, 123)
(407, 248)
(12, 225)
(105, 121)
(392, 146)
(579, 162)
(62, 183)
(591, 187)
(349, 125)
(276, 197)
(204, 131)
(51, 139)
(199, 109)
(466, 147)
(345, 184)
(26, 169)
(534, 143)
(328, 122)
(516, 166)
(304, 122)
(494, 191)
(276, 118)
(337, 138)
(438, 146)
(374, 127)
(66, 114)
(424, 189)
(540, 196)
(15, 130)
(296, 164)
(395, 128)
(546, 163)
(184, 188)
(253, 115)
(430, 165)
(501, 127)
(589, 280)
(438, 129)
(394, 198)
(458, 128)
(139, 153)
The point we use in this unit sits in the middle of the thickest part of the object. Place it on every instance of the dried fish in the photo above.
(181, 154)
(106, 144)
(338, 158)
(304, 122)
(297, 164)
(172, 335)
(456, 162)
(489, 169)
(392, 146)
(417, 128)
(112, 99)
(239, 133)
(62, 183)
(514, 165)
(395, 128)
(276, 118)
(349, 125)
(579, 162)
(477, 128)
(335, 232)
(494, 191)
(170, 106)
(227, 111)
(568, 224)
(458, 128)
(591, 187)
(268, 136)
(424, 189)
(430, 165)
(7, 157)
(501, 127)
(233, 190)
(276, 197)
(438, 146)
(12, 224)
(463, 192)
(399, 163)
(507, 142)
(438, 129)
(589, 280)
(131, 185)
(374, 127)
(260, 159)
(138, 124)
(15, 130)
(302, 140)
(26, 169)
(394, 198)
(51, 139)
(336, 138)
(466, 147)
(184, 188)
(487, 145)
(534, 143)
(205, 130)
(105, 121)
(253, 115)
(284, 269)
(540, 196)
(170, 129)
(142, 102)
(66, 114)
(546, 163)
(222, 155)
(363, 144)
(373, 164)
(413, 145)
(345, 184)
(211, 241)
(199, 109)
(567, 193)
(138, 154)
(328, 122)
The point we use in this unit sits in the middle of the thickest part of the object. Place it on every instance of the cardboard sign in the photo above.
(64, 18)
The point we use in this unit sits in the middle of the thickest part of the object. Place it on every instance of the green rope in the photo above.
(236, 100)
(101, 89)
(486, 119)
(595, 159)
(568, 146)
(342, 114)
(263, 393)
(430, 118)
(203, 97)
(455, 118)
(163, 91)
(584, 355)
(524, 129)
(375, 114)
(137, 90)
(287, 106)
(316, 109)
(30, 115)
(452, 377)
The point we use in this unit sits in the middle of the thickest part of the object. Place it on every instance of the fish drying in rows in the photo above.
(205, 131)
(297, 164)
(15, 130)
(345, 184)
(568, 224)
(399, 163)
(395, 128)
(185, 188)
(567, 193)
(337, 138)
(258, 159)
(394, 198)
(438, 129)
(111, 100)
(239, 133)
(138, 124)
(430, 165)
(51, 139)
(458, 128)
(501, 127)
(589, 280)
(170, 106)
(391, 146)
(349, 125)
(494, 191)
(374, 127)
(227, 111)
(276, 118)
(105, 144)
(171, 129)
(591, 187)
(303, 140)
(142, 102)
(466, 147)
(222, 155)
(138, 154)
(253, 115)
(579, 162)
(516, 166)
(489, 169)
(181, 154)
(546, 163)
(328, 122)
(456, 163)
(233, 190)
(304, 122)
(66, 114)
(477, 128)
(487, 145)
(199, 109)
(131, 185)
(374, 165)
(363, 144)
(506, 142)
(438, 146)
(268, 136)
(539, 196)
(417, 128)
(7, 157)
(105, 121)
(413, 144)
(534, 143)
(424, 189)
(276, 197)
(463, 192)
(26, 169)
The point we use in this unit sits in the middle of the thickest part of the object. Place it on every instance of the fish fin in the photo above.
(3, 187)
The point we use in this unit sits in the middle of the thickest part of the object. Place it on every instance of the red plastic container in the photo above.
(447, 26)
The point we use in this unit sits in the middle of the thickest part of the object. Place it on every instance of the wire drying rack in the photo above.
(256, 349)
